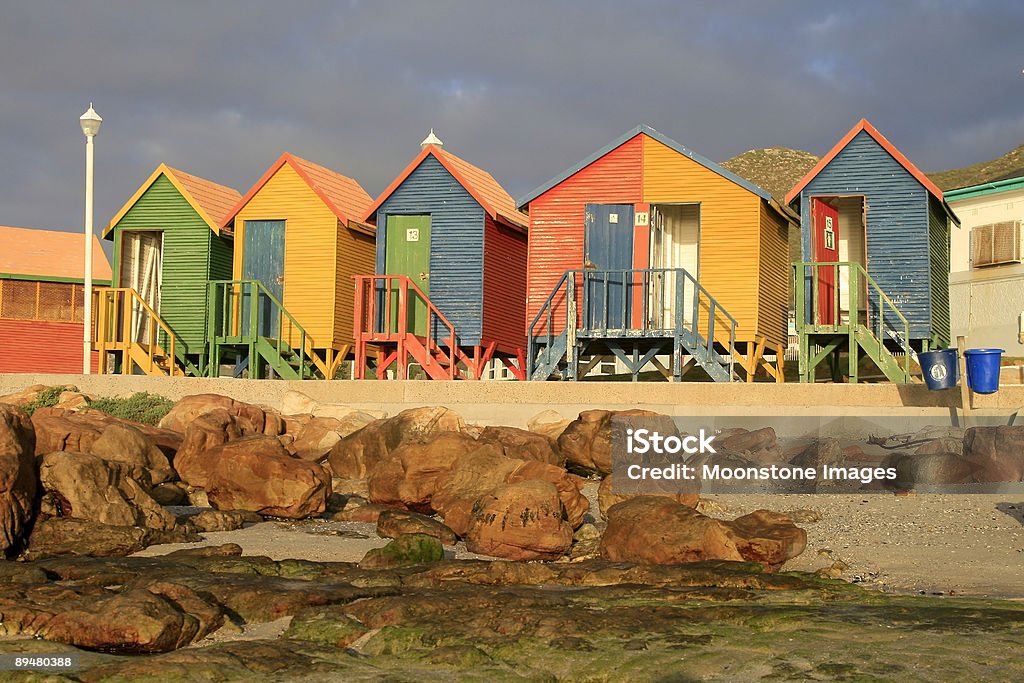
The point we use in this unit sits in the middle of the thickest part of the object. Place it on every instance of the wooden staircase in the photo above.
(130, 330)
(653, 311)
(398, 323)
(832, 323)
(250, 327)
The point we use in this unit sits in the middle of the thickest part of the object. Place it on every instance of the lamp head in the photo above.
(91, 122)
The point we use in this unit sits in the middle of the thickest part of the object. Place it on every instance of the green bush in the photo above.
(45, 399)
(139, 407)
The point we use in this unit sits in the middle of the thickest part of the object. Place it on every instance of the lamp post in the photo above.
(90, 121)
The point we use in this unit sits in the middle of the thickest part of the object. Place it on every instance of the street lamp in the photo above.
(91, 122)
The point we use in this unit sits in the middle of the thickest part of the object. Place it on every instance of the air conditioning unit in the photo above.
(995, 244)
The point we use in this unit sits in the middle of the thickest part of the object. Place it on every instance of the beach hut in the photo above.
(648, 254)
(450, 286)
(874, 280)
(298, 243)
(168, 243)
(41, 299)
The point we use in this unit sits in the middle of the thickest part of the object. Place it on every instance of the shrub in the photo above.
(139, 407)
(46, 399)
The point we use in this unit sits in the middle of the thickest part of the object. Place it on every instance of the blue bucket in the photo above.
(939, 368)
(983, 369)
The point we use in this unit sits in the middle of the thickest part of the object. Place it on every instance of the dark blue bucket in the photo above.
(983, 369)
(939, 368)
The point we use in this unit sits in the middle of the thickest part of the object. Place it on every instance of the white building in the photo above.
(986, 281)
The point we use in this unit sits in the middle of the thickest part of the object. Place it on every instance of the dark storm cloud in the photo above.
(524, 89)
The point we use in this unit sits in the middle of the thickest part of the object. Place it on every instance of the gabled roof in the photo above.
(864, 125)
(343, 196)
(653, 134)
(210, 200)
(478, 182)
(49, 254)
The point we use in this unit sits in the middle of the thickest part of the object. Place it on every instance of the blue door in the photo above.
(607, 253)
(263, 260)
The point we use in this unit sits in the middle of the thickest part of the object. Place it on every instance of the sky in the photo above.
(524, 89)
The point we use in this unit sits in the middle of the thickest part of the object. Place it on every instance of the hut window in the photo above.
(995, 244)
(54, 301)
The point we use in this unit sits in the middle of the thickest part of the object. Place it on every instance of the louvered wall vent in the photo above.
(995, 244)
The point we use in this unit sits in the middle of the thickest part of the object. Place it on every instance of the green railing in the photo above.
(242, 311)
(882, 317)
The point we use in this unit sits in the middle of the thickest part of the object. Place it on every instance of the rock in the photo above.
(549, 423)
(575, 503)
(349, 419)
(58, 429)
(820, 454)
(946, 444)
(73, 400)
(297, 403)
(521, 521)
(83, 486)
(163, 618)
(767, 537)
(169, 494)
(607, 497)
(750, 441)
(31, 394)
(658, 530)
(395, 523)
(588, 440)
(257, 474)
(56, 536)
(355, 455)
(351, 487)
(368, 513)
(18, 478)
(328, 625)
(222, 520)
(204, 433)
(316, 439)
(931, 469)
(524, 445)
(404, 551)
(408, 476)
(997, 453)
(251, 419)
(471, 476)
(125, 444)
(223, 550)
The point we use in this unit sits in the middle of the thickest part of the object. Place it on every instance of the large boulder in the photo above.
(519, 443)
(83, 486)
(355, 455)
(996, 453)
(316, 438)
(549, 423)
(395, 523)
(471, 476)
(407, 477)
(257, 474)
(250, 418)
(405, 551)
(125, 444)
(18, 478)
(607, 496)
(930, 469)
(588, 441)
(59, 536)
(658, 530)
(59, 429)
(568, 486)
(521, 521)
(205, 433)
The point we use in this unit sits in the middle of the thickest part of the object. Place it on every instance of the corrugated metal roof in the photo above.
(49, 254)
(478, 182)
(210, 200)
(665, 140)
(345, 197)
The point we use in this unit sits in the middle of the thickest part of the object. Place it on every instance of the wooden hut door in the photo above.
(608, 255)
(825, 238)
(263, 260)
(142, 270)
(407, 252)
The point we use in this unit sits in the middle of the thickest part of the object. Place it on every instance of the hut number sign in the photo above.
(830, 234)
(412, 234)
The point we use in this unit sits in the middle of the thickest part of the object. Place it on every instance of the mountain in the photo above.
(1010, 165)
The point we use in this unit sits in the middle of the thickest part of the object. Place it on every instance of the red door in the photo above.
(825, 242)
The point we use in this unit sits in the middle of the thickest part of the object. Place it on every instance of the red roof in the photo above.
(344, 196)
(480, 184)
(49, 254)
(863, 125)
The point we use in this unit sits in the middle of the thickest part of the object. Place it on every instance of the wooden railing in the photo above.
(123, 318)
